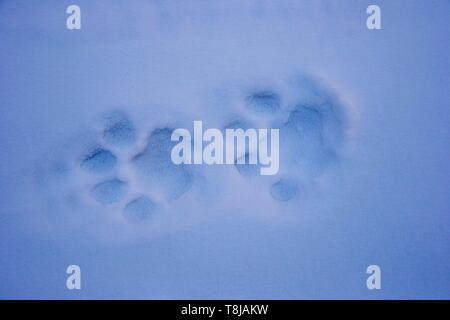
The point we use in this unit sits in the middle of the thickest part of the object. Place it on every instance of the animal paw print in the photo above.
(312, 123)
(119, 169)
